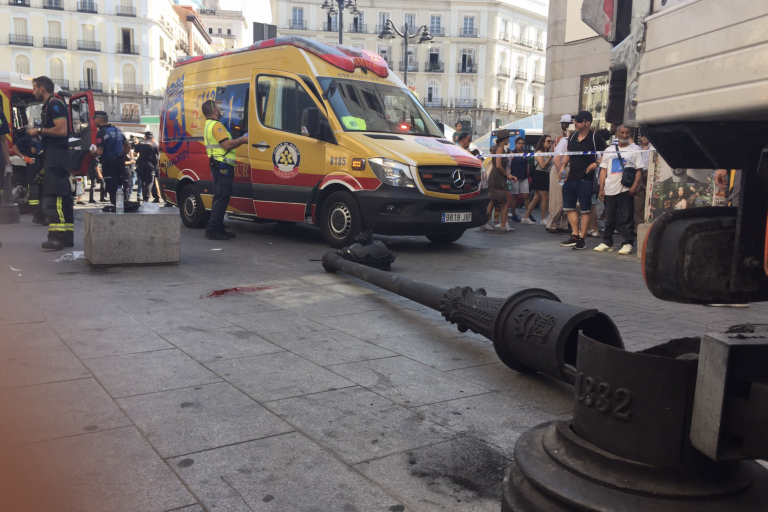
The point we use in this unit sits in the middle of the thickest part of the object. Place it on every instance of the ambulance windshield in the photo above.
(372, 107)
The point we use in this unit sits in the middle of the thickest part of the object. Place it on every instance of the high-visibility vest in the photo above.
(213, 148)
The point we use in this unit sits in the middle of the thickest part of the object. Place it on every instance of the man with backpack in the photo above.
(581, 176)
(58, 204)
(112, 146)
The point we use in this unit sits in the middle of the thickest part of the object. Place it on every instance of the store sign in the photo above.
(207, 12)
(593, 97)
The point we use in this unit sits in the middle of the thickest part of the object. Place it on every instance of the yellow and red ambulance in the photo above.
(335, 139)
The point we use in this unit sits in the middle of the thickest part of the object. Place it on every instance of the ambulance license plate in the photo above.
(457, 217)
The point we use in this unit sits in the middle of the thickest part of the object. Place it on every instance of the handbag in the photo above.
(628, 174)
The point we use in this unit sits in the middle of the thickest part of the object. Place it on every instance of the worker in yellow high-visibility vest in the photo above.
(220, 147)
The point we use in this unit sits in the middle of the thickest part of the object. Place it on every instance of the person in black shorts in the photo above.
(581, 176)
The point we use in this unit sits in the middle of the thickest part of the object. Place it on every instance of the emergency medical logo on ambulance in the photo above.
(286, 158)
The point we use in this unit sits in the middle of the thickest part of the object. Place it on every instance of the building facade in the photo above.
(121, 50)
(577, 67)
(485, 65)
(227, 25)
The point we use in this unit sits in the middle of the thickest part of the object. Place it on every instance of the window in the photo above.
(19, 26)
(433, 92)
(210, 30)
(385, 52)
(232, 100)
(89, 33)
(435, 24)
(81, 117)
(383, 19)
(56, 69)
(229, 31)
(465, 90)
(297, 17)
(89, 73)
(410, 20)
(22, 65)
(469, 25)
(281, 103)
(129, 75)
(358, 23)
(521, 66)
(519, 95)
(467, 59)
(503, 27)
(54, 29)
(126, 36)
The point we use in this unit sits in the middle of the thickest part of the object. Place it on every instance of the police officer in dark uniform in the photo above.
(146, 163)
(58, 204)
(30, 150)
(112, 146)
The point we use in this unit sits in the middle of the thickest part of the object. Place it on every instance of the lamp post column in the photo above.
(405, 57)
(341, 21)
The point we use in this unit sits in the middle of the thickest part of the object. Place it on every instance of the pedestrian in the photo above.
(518, 168)
(30, 150)
(497, 182)
(457, 131)
(220, 147)
(540, 184)
(558, 221)
(94, 177)
(619, 199)
(580, 178)
(130, 169)
(464, 140)
(5, 130)
(147, 155)
(58, 205)
(477, 154)
(111, 146)
(641, 196)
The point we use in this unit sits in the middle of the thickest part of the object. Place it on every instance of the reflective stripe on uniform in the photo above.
(59, 211)
(34, 202)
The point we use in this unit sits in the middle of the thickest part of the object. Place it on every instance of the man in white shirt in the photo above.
(641, 192)
(619, 200)
(557, 222)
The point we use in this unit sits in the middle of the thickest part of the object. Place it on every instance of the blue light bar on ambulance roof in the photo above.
(343, 57)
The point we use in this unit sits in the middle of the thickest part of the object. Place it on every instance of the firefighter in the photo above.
(4, 132)
(57, 193)
(30, 150)
(112, 146)
(221, 155)
(146, 163)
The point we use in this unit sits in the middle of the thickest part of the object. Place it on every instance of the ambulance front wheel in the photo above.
(193, 213)
(341, 219)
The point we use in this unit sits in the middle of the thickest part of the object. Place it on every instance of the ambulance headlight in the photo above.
(390, 172)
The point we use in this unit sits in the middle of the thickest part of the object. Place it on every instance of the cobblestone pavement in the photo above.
(130, 389)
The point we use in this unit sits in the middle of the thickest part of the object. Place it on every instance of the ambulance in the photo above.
(335, 139)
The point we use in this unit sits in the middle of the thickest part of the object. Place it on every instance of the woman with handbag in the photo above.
(540, 184)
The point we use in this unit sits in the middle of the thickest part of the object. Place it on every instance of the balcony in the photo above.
(198, 50)
(90, 7)
(412, 66)
(19, 3)
(122, 10)
(503, 36)
(502, 71)
(521, 109)
(90, 86)
(468, 32)
(437, 31)
(538, 79)
(538, 45)
(379, 28)
(53, 42)
(132, 89)
(225, 36)
(20, 40)
(536, 110)
(359, 28)
(127, 49)
(466, 68)
(181, 45)
(331, 27)
(61, 82)
(465, 102)
(56, 5)
(522, 41)
(434, 103)
(434, 67)
(88, 46)
(502, 107)
(130, 119)
(297, 25)
(521, 75)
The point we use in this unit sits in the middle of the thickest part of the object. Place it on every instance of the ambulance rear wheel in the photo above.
(340, 220)
(445, 239)
(193, 213)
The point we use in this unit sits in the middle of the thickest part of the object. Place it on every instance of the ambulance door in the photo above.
(287, 158)
(82, 132)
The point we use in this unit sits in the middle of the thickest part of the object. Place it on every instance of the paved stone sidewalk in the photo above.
(130, 389)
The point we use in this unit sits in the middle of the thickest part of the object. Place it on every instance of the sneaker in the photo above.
(508, 229)
(571, 241)
(544, 222)
(514, 218)
(580, 244)
(626, 249)
(593, 233)
(528, 220)
(532, 218)
(216, 236)
(488, 227)
(604, 248)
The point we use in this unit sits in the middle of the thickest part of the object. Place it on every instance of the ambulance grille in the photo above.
(440, 178)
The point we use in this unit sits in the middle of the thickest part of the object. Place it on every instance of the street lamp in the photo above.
(332, 11)
(389, 31)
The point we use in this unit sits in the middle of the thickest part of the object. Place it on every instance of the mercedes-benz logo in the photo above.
(458, 178)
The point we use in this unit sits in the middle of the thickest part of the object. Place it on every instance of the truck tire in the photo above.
(340, 219)
(193, 213)
(445, 239)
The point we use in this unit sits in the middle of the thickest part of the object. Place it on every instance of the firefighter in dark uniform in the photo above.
(146, 163)
(58, 204)
(221, 155)
(5, 130)
(112, 146)
(30, 149)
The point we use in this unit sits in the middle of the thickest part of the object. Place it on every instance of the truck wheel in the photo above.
(340, 220)
(445, 239)
(193, 213)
